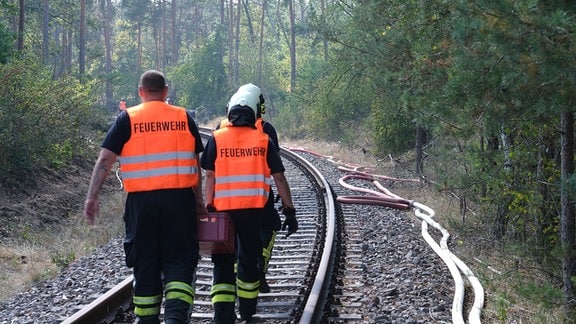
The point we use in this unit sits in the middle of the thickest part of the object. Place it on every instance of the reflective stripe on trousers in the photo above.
(223, 293)
(147, 305)
(180, 290)
(267, 253)
(248, 290)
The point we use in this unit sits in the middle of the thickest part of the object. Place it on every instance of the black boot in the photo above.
(264, 288)
(176, 311)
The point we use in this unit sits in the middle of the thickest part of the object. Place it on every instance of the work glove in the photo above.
(210, 208)
(290, 221)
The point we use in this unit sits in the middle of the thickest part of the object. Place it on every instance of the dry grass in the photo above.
(21, 265)
(43, 253)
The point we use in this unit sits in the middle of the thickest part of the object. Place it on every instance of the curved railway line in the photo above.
(299, 271)
(325, 272)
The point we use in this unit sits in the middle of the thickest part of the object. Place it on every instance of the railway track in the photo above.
(295, 260)
(348, 263)
(299, 273)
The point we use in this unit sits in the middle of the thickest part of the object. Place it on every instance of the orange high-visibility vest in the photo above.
(161, 151)
(241, 169)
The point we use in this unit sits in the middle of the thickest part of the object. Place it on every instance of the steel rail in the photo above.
(105, 307)
(315, 301)
(310, 310)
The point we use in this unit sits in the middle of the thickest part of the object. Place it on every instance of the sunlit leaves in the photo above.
(42, 121)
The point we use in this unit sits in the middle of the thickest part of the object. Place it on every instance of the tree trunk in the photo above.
(67, 42)
(163, 36)
(175, 35)
(248, 21)
(138, 54)
(420, 137)
(222, 13)
(324, 39)
(260, 42)
(231, 43)
(20, 40)
(292, 46)
(82, 42)
(109, 93)
(302, 5)
(236, 74)
(567, 204)
(45, 31)
(58, 60)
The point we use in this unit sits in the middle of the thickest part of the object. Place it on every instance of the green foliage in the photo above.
(501, 304)
(6, 44)
(62, 259)
(60, 153)
(125, 76)
(544, 294)
(289, 120)
(42, 120)
(510, 77)
(200, 79)
(337, 104)
(7, 37)
(388, 64)
(393, 132)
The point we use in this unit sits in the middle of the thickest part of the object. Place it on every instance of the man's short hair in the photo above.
(153, 81)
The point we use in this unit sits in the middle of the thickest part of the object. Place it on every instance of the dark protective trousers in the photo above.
(244, 285)
(161, 241)
(271, 223)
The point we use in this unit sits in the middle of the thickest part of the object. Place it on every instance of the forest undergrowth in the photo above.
(517, 289)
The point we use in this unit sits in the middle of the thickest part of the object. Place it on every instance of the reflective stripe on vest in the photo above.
(245, 177)
(150, 158)
(241, 192)
(160, 153)
(242, 175)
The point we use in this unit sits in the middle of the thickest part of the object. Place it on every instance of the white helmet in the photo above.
(247, 95)
(249, 87)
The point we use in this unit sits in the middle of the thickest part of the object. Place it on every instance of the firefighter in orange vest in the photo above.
(271, 222)
(239, 160)
(122, 104)
(158, 146)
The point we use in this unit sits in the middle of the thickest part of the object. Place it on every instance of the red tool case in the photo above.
(216, 234)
